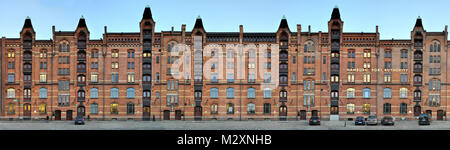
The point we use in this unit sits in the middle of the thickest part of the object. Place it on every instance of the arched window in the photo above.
(42, 93)
(309, 46)
(147, 94)
(114, 93)
(43, 108)
(387, 93)
(130, 108)
(387, 108)
(417, 79)
(94, 108)
(417, 94)
(11, 108)
(130, 54)
(267, 107)
(214, 93)
(230, 92)
(366, 93)
(283, 94)
(403, 93)
(130, 93)
(11, 54)
(403, 108)
(94, 93)
(11, 93)
(43, 54)
(214, 109)
(230, 108)
(114, 108)
(350, 93)
(81, 94)
(251, 93)
(350, 108)
(366, 108)
(251, 108)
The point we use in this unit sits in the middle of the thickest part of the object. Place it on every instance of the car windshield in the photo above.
(372, 117)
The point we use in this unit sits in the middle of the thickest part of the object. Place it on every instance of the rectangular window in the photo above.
(351, 77)
(130, 77)
(11, 77)
(94, 77)
(387, 77)
(403, 78)
(43, 78)
(230, 77)
(115, 77)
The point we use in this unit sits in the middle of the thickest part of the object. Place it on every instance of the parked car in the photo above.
(79, 121)
(372, 120)
(424, 119)
(387, 120)
(360, 121)
(314, 120)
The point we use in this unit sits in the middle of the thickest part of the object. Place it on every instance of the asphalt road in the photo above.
(213, 125)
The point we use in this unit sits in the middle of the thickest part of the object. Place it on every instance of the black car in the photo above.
(424, 119)
(79, 121)
(387, 121)
(314, 120)
(360, 120)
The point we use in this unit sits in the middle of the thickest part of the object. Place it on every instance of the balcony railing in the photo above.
(334, 60)
(147, 37)
(418, 57)
(334, 71)
(81, 45)
(79, 70)
(81, 99)
(147, 60)
(335, 36)
(417, 99)
(27, 45)
(418, 70)
(81, 58)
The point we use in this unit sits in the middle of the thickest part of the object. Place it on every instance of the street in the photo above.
(213, 125)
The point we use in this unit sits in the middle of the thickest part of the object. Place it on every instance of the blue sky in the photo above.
(395, 18)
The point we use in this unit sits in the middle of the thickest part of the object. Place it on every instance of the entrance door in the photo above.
(302, 114)
(440, 115)
(81, 111)
(58, 115)
(27, 111)
(198, 113)
(146, 113)
(177, 114)
(166, 115)
(283, 113)
(417, 110)
(314, 113)
(334, 110)
(429, 113)
(69, 115)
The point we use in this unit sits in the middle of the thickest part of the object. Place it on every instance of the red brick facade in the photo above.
(329, 74)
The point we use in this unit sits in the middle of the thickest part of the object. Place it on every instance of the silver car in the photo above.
(372, 120)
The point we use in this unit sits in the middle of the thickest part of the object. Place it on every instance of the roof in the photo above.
(28, 23)
(336, 14)
(419, 22)
(283, 23)
(198, 23)
(81, 22)
(64, 33)
(147, 13)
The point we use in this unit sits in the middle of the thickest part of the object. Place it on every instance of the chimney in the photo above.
(299, 33)
(183, 32)
(376, 28)
(309, 29)
(241, 33)
(172, 29)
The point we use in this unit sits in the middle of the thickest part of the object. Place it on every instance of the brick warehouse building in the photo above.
(333, 74)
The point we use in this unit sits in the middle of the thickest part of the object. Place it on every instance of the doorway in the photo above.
(417, 110)
(440, 115)
(69, 115)
(429, 112)
(58, 115)
(146, 113)
(27, 111)
(283, 113)
(314, 113)
(334, 110)
(81, 111)
(177, 114)
(302, 114)
(198, 113)
(166, 115)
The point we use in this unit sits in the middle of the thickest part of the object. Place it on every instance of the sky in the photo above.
(395, 18)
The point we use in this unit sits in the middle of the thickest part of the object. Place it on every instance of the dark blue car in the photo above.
(360, 121)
